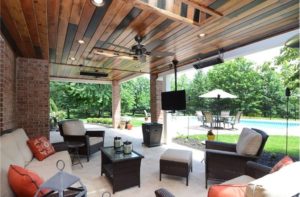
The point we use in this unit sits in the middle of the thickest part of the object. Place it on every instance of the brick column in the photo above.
(33, 96)
(116, 103)
(8, 119)
(156, 87)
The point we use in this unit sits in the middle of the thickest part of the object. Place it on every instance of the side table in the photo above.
(74, 151)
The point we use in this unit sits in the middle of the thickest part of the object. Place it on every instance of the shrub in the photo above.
(107, 121)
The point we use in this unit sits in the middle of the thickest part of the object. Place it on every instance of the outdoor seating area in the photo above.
(149, 98)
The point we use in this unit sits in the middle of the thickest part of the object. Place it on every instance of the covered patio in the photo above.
(76, 41)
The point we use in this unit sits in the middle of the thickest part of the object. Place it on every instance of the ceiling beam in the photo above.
(202, 8)
(78, 80)
(98, 68)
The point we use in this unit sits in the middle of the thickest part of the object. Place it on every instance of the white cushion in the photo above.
(184, 156)
(10, 149)
(73, 127)
(95, 140)
(21, 139)
(282, 183)
(244, 179)
(47, 167)
(5, 189)
(249, 142)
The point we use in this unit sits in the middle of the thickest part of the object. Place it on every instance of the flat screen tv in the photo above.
(173, 100)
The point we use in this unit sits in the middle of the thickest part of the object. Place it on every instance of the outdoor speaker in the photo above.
(207, 63)
(287, 92)
(93, 74)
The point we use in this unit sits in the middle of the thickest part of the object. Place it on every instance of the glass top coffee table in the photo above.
(122, 170)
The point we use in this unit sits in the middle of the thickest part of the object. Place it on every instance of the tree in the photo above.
(135, 95)
(289, 64)
(197, 87)
(273, 90)
(237, 77)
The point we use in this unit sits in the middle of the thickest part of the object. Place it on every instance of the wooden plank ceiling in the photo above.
(50, 29)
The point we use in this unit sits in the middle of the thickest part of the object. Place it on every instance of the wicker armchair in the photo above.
(222, 162)
(73, 130)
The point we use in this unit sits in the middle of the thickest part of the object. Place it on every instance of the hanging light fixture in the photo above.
(97, 3)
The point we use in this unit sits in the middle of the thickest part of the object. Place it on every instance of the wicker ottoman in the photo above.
(176, 162)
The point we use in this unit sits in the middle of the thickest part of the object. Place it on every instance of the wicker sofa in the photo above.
(258, 181)
(14, 150)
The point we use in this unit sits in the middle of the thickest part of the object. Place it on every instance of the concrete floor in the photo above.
(96, 184)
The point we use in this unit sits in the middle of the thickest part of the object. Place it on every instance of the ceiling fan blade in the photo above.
(152, 45)
(160, 54)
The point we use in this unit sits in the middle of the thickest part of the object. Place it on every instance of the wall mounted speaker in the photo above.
(93, 74)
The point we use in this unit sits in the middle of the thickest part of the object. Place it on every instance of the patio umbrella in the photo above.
(217, 93)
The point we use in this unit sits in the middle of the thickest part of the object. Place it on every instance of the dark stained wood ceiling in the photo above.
(50, 29)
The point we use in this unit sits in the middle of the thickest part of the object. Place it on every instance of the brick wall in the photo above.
(33, 96)
(156, 87)
(7, 87)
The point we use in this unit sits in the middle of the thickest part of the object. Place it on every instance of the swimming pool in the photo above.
(267, 123)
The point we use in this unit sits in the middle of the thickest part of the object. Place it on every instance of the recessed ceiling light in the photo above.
(72, 58)
(201, 35)
(97, 3)
(81, 41)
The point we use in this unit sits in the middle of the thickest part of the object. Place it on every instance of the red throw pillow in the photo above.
(227, 191)
(283, 162)
(40, 147)
(24, 182)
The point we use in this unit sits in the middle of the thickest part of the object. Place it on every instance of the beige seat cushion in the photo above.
(249, 142)
(21, 139)
(74, 127)
(176, 155)
(282, 183)
(244, 179)
(47, 167)
(95, 140)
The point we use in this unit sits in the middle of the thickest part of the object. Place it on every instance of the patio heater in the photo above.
(287, 94)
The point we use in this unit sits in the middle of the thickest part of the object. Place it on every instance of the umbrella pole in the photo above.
(287, 94)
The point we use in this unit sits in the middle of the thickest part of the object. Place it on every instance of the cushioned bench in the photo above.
(176, 162)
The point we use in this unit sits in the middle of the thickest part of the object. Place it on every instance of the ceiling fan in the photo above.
(138, 51)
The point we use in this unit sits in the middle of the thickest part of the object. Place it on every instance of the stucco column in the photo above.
(116, 104)
(166, 136)
(156, 87)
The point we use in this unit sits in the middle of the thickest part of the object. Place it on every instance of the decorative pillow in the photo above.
(24, 182)
(40, 147)
(227, 191)
(283, 162)
(249, 142)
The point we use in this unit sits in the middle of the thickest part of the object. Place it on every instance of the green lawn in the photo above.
(275, 144)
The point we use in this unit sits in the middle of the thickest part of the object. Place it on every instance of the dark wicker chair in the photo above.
(87, 138)
(222, 162)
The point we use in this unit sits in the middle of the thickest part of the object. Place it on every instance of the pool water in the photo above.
(268, 123)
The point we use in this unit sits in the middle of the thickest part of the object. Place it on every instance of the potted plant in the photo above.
(129, 126)
(210, 135)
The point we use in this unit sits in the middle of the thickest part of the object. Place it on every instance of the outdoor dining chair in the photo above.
(234, 120)
(208, 118)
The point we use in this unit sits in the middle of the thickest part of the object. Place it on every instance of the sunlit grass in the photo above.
(275, 143)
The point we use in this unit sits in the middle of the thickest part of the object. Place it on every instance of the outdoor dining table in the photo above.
(219, 119)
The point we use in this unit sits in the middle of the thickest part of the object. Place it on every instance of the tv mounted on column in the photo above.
(173, 100)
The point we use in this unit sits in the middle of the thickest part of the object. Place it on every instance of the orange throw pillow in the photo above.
(24, 182)
(40, 147)
(227, 191)
(283, 162)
